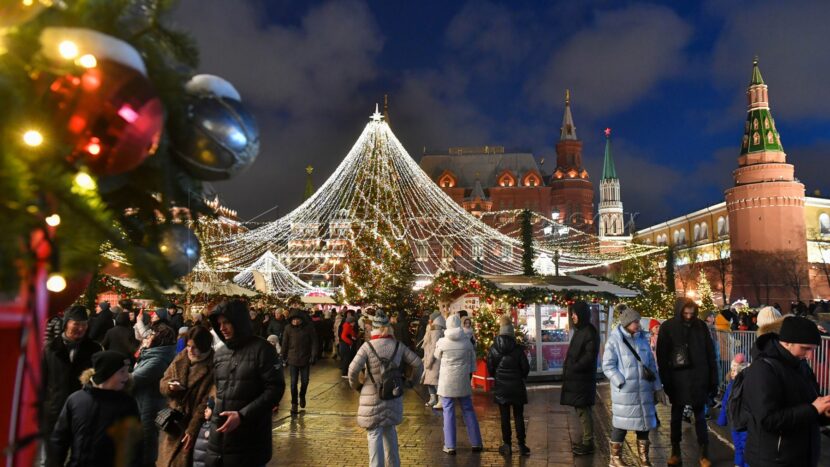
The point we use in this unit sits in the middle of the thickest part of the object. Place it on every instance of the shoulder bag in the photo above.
(647, 373)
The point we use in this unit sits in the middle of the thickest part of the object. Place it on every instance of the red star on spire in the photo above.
(607, 132)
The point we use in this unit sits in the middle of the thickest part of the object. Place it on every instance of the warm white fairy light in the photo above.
(278, 279)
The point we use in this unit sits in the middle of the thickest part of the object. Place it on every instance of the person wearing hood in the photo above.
(101, 322)
(154, 356)
(64, 359)
(248, 387)
(121, 338)
(781, 393)
(99, 424)
(507, 362)
(579, 374)
(432, 365)
(635, 386)
(458, 362)
(174, 316)
(144, 321)
(769, 321)
(689, 372)
(299, 350)
(187, 384)
(378, 416)
(348, 340)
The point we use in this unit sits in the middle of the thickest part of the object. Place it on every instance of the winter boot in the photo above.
(704, 456)
(642, 451)
(506, 449)
(675, 459)
(523, 449)
(616, 459)
(302, 402)
(432, 399)
(580, 449)
(438, 405)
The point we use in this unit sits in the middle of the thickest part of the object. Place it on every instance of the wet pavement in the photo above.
(326, 432)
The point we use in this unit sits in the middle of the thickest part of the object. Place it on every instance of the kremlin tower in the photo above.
(766, 209)
(611, 221)
(572, 194)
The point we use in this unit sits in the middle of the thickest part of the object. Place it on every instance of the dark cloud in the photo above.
(615, 61)
(790, 38)
(302, 81)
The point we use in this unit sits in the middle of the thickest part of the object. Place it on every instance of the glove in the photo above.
(661, 397)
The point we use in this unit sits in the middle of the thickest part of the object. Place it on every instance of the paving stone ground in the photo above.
(326, 432)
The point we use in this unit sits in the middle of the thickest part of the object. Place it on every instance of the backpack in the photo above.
(391, 377)
(737, 414)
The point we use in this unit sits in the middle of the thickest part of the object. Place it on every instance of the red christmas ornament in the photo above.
(489, 301)
(521, 306)
(111, 114)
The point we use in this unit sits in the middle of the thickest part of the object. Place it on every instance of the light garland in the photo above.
(379, 183)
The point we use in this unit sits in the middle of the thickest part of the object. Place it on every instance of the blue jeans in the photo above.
(470, 421)
(383, 446)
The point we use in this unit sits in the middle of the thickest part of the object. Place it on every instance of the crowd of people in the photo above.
(124, 386)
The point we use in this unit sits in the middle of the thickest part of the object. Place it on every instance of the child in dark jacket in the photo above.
(738, 437)
(201, 445)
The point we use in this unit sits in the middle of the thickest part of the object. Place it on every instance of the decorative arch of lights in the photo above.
(311, 241)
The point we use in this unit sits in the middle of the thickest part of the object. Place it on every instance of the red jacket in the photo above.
(348, 335)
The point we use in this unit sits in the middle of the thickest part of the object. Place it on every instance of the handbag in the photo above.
(680, 358)
(647, 373)
(170, 421)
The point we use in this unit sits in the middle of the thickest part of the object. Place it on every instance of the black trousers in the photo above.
(301, 373)
(701, 430)
(618, 435)
(518, 418)
(346, 356)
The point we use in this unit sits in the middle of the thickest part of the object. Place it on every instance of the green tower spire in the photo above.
(760, 133)
(608, 169)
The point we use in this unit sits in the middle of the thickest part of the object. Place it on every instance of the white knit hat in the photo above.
(767, 315)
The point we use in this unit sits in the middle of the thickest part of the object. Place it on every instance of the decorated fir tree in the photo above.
(644, 275)
(704, 292)
(379, 264)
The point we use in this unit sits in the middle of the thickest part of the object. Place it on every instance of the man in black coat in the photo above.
(248, 387)
(99, 424)
(781, 393)
(101, 322)
(688, 371)
(579, 374)
(174, 316)
(64, 359)
(299, 350)
(121, 338)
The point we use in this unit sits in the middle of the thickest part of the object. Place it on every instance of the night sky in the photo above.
(668, 77)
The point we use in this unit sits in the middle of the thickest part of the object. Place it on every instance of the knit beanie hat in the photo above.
(380, 319)
(767, 315)
(627, 315)
(106, 363)
(75, 313)
(505, 326)
(653, 324)
(183, 330)
(796, 330)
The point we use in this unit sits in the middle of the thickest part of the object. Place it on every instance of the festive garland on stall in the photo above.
(451, 284)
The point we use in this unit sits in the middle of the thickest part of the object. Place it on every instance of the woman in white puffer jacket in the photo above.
(458, 362)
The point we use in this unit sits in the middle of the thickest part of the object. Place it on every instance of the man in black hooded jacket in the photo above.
(579, 374)
(248, 387)
(781, 394)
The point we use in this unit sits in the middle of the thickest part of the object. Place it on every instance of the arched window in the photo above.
(447, 180)
(704, 231)
(697, 232)
(824, 223)
(676, 237)
(683, 236)
(721, 226)
(506, 180)
(531, 180)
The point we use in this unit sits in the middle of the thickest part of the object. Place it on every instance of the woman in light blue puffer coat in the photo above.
(633, 394)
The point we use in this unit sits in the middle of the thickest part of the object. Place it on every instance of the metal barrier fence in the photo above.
(729, 344)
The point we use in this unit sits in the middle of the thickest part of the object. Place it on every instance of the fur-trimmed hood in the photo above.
(770, 328)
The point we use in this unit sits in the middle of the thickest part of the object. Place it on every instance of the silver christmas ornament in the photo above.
(222, 137)
(180, 248)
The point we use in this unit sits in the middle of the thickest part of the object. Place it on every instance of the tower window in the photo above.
(756, 139)
(824, 223)
(755, 124)
(770, 138)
